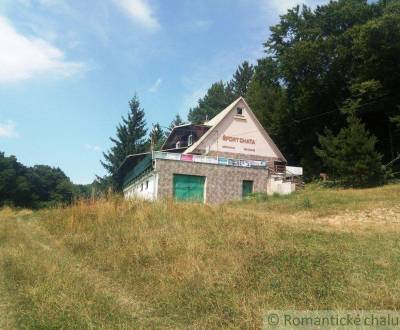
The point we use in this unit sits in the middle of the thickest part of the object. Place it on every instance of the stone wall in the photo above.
(223, 183)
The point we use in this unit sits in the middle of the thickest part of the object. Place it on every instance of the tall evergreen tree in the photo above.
(157, 137)
(241, 79)
(350, 157)
(175, 122)
(130, 139)
(217, 98)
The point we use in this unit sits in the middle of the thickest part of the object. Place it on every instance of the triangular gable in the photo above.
(232, 133)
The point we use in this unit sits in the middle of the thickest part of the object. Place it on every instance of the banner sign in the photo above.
(222, 161)
(258, 163)
(211, 159)
(187, 158)
(205, 159)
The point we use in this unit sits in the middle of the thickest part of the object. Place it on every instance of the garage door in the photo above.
(189, 187)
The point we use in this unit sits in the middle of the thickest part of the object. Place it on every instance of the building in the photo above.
(226, 158)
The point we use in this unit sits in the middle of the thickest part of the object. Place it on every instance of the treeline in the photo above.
(35, 187)
(328, 90)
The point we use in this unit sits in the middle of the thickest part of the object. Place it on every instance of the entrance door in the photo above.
(247, 188)
(188, 187)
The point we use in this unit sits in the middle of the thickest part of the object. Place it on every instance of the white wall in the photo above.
(243, 127)
(276, 185)
(144, 188)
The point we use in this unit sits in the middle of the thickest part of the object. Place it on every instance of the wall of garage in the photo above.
(223, 183)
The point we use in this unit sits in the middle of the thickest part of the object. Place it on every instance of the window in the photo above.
(147, 184)
(141, 187)
(178, 144)
(190, 140)
(239, 111)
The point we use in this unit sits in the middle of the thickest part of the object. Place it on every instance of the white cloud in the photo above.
(156, 86)
(8, 129)
(140, 12)
(23, 57)
(93, 147)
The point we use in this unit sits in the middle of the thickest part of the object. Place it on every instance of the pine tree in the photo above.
(217, 98)
(175, 122)
(350, 156)
(157, 137)
(130, 139)
(241, 79)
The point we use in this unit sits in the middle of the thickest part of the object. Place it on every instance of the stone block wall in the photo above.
(223, 183)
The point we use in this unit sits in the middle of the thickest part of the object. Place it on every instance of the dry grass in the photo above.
(115, 264)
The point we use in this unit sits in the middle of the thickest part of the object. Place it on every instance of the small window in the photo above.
(178, 144)
(190, 140)
(147, 184)
(239, 111)
(141, 187)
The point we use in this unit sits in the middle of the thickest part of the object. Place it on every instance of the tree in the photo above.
(217, 98)
(396, 120)
(241, 79)
(34, 187)
(350, 156)
(175, 122)
(15, 188)
(130, 139)
(267, 98)
(50, 185)
(318, 56)
(157, 137)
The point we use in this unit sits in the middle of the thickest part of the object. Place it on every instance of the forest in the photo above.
(327, 91)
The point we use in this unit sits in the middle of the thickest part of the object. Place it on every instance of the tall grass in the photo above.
(116, 264)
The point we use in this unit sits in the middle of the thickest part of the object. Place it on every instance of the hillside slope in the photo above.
(115, 264)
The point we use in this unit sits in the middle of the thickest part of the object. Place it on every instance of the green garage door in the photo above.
(189, 187)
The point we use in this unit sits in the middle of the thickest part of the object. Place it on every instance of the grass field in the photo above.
(115, 265)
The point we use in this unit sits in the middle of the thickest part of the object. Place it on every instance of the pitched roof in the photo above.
(214, 122)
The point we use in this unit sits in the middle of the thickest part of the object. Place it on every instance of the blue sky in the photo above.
(69, 68)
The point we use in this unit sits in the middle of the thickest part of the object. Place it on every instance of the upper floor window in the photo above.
(239, 111)
(190, 140)
(147, 184)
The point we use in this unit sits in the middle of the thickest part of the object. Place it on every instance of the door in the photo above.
(188, 187)
(247, 188)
